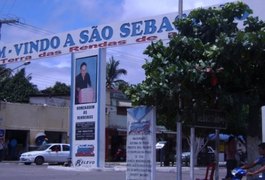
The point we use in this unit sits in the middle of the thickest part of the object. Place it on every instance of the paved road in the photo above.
(16, 171)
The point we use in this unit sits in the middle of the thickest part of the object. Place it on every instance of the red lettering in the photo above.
(73, 49)
(93, 46)
(122, 42)
(112, 44)
(151, 38)
(101, 45)
(57, 52)
(83, 48)
(17, 59)
(47, 54)
(144, 38)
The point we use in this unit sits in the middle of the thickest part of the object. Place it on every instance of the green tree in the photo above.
(210, 61)
(4, 72)
(58, 89)
(17, 88)
(113, 72)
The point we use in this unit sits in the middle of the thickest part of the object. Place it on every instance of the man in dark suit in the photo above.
(82, 81)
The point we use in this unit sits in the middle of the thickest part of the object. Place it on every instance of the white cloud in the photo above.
(143, 8)
(57, 62)
(45, 72)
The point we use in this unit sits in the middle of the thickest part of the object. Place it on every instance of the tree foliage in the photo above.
(113, 72)
(16, 88)
(211, 61)
(4, 72)
(58, 89)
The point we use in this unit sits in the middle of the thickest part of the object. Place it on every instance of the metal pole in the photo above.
(24, 64)
(180, 9)
(192, 138)
(179, 124)
(263, 122)
(7, 21)
(217, 154)
(179, 149)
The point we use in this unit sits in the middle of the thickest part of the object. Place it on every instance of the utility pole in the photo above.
(7, 21)
(179, 124)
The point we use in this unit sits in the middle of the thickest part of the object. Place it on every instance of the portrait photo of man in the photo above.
(85, 80)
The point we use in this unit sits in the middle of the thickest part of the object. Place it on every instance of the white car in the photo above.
(49, 153)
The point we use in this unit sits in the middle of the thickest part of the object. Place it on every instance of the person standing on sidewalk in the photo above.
(231, 161)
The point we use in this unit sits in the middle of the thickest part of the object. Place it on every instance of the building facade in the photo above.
(24, 126)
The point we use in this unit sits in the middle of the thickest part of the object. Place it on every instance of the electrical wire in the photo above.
(30, 28)
(127, 54)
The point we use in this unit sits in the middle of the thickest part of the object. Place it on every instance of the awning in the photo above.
(124, 104)
(222, 137)
(39, 134)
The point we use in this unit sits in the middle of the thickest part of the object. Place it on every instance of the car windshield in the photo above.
(43, 147)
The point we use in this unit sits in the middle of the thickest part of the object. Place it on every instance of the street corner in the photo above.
(120, 168)
(86, 169)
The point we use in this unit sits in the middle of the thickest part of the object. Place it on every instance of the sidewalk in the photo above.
(121, 166)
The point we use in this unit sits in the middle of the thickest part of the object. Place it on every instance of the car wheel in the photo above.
(27, 163)
(39, 160)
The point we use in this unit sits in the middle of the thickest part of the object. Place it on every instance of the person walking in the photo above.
(230, 151)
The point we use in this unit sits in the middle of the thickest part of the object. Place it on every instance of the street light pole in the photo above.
(179, 124)
(24, 64)
(180, 9)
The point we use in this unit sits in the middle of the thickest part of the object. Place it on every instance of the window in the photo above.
(56, 148)
(66, 148)
(122, 110)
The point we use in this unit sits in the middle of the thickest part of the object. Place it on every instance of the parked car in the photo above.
(205, 157)
(48, 153)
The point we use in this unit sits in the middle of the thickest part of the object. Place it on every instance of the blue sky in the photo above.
(45, 17)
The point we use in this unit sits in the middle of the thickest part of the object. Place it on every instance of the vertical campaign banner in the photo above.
(88, 108)
(140, 148)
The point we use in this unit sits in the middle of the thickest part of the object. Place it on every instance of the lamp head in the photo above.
(26, 63)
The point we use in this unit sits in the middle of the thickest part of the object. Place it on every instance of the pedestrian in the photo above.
(45, 141)
(230, 151)
(259, 161)
(119, 155)
(13, 148)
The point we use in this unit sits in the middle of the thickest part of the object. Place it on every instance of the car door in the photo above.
(52, 153)
(64, 154)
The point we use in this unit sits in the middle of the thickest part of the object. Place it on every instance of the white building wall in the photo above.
(117, 121)
(34, 118)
